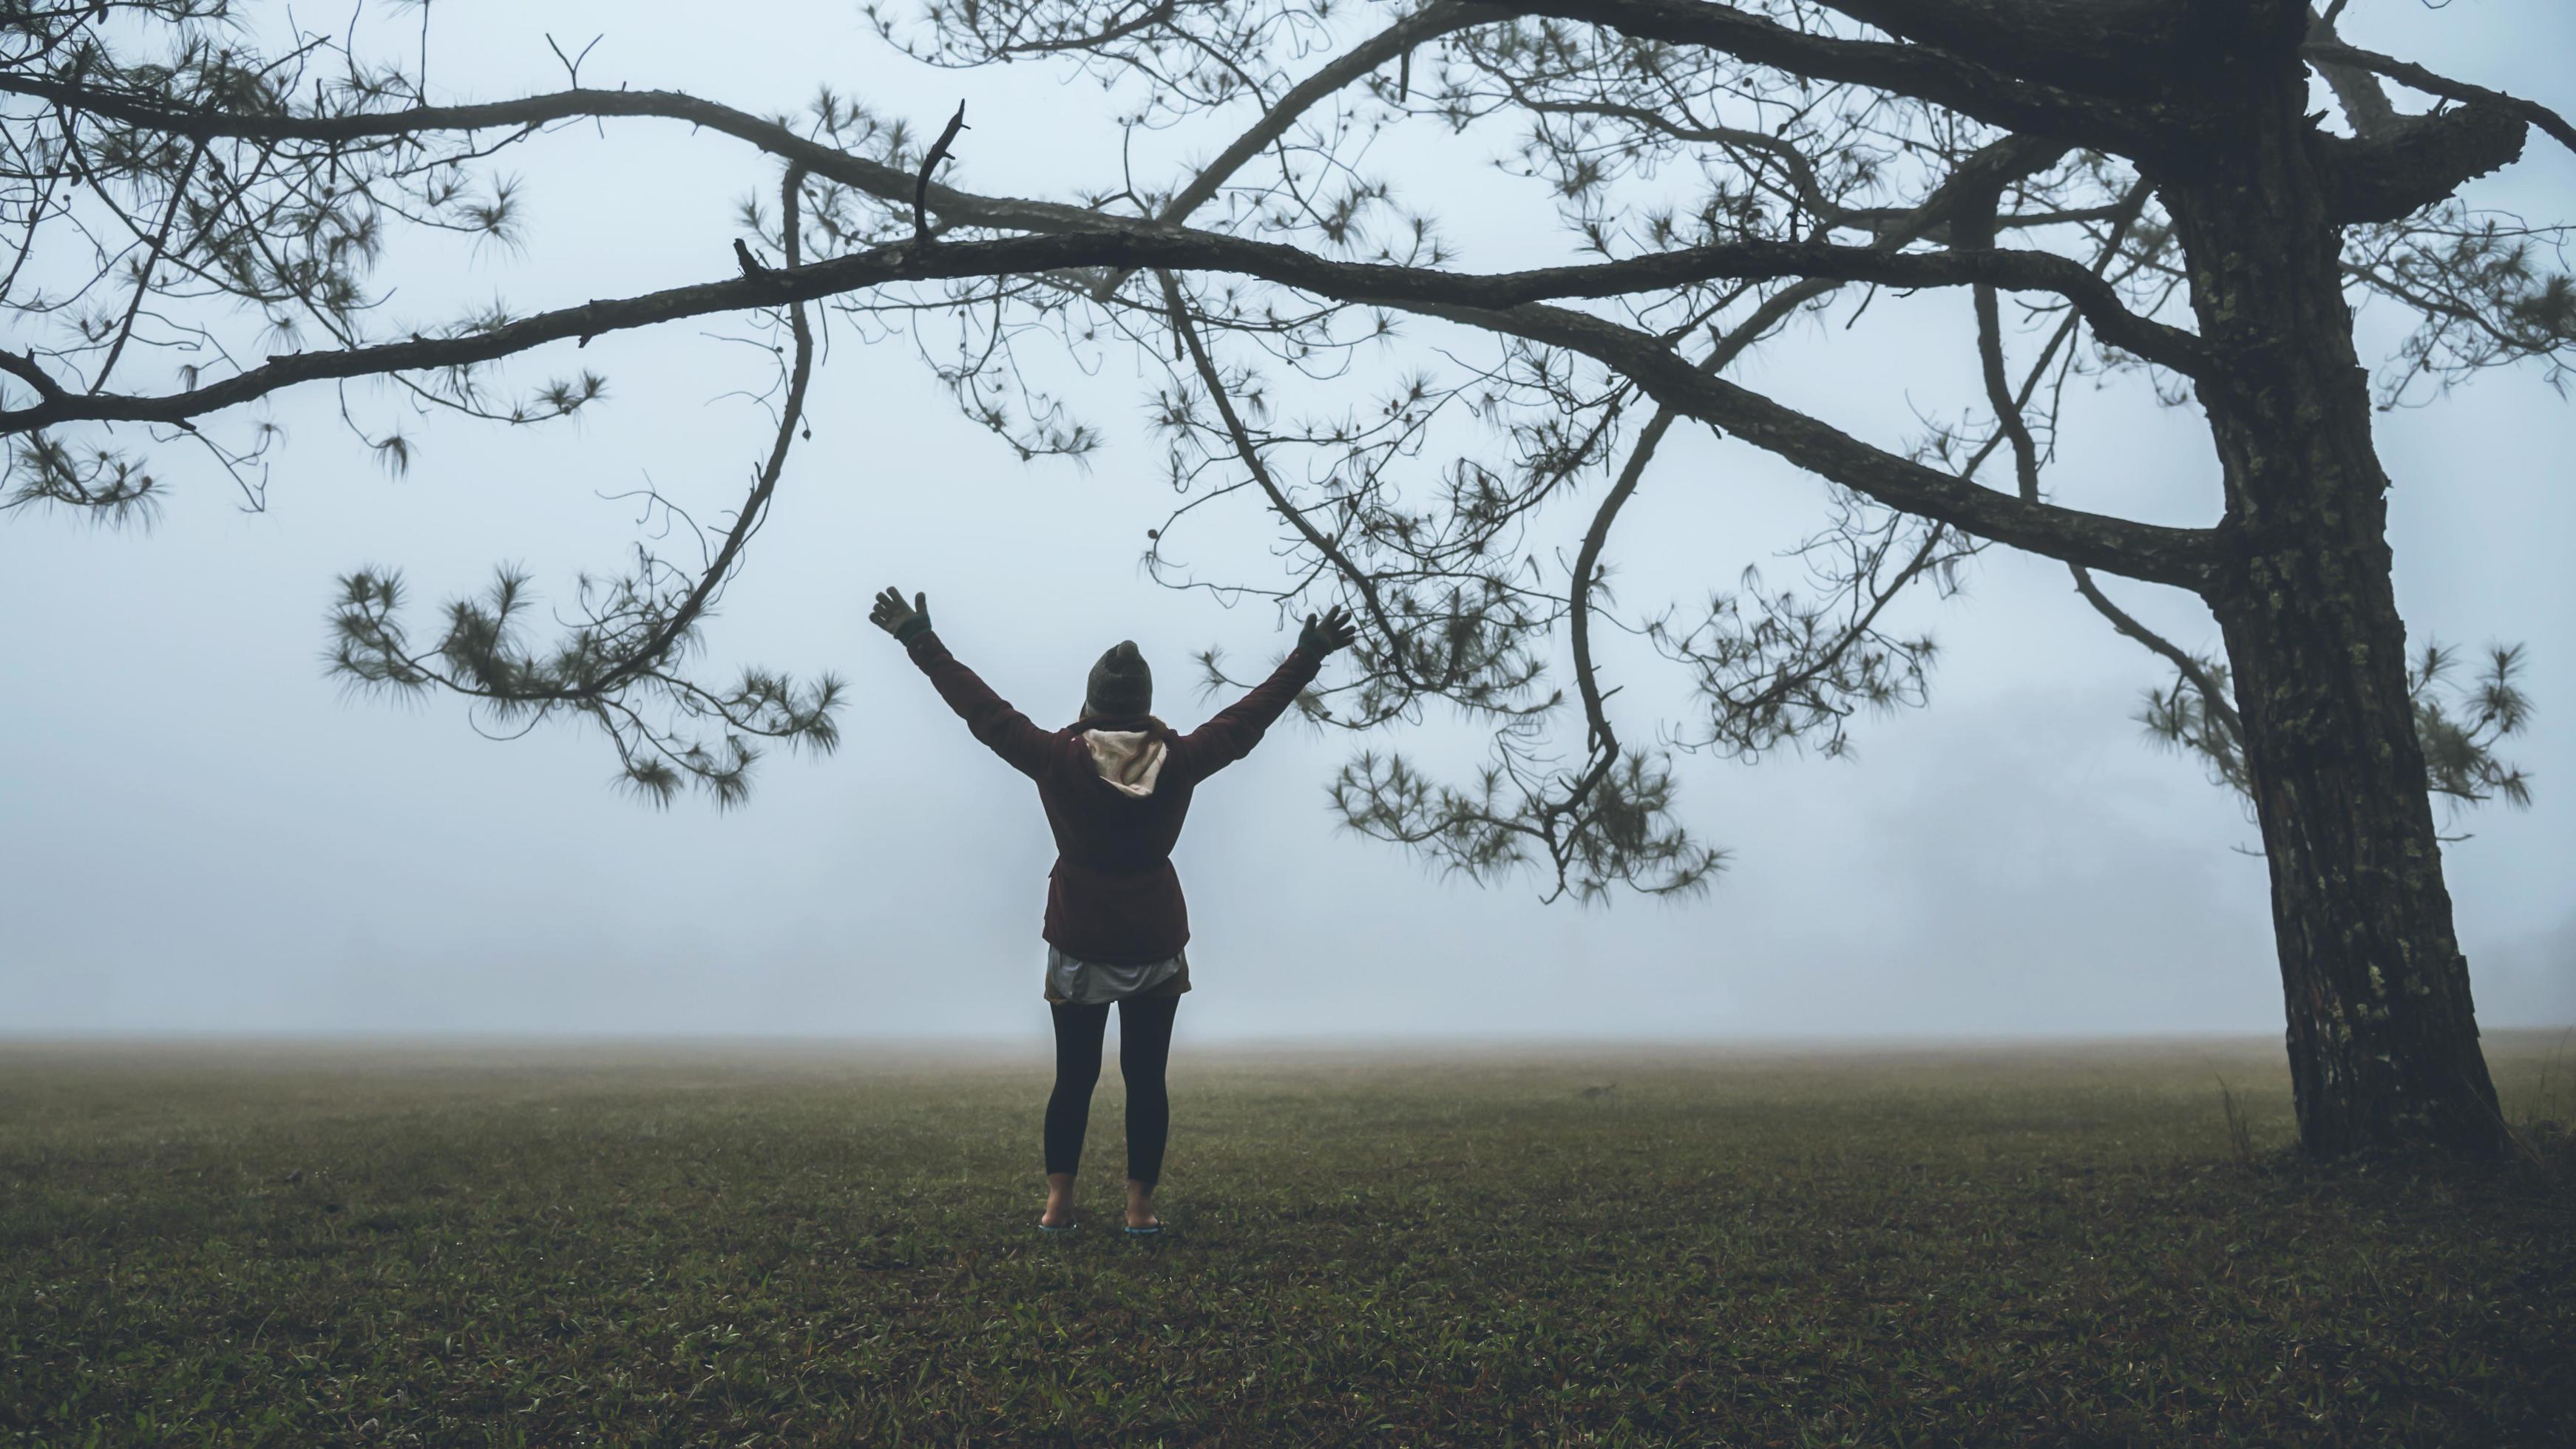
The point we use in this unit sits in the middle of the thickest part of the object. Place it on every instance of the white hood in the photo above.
(1128, 759)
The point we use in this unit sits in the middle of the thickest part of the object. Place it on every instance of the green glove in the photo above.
(906, 622)
(1322, 636)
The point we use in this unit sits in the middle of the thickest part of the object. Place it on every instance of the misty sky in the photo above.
(200, 832)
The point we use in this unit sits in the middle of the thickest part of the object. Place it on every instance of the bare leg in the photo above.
(1140, 1205)
(1059, 1208)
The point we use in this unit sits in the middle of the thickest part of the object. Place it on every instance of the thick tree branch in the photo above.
(1498, 302)
(2335, 52)
(2021, 271)
(1144, 244)
(1979, 180)
(2097, 46)
(2179, 556)
(2156, 342)
(1919, 71)
(2419, 160)
(2364, 100)
(25, 368)
(873, 177)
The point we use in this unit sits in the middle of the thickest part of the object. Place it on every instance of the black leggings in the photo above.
(1144, 1045)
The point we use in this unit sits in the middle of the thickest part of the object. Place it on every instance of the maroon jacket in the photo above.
(1113, 896)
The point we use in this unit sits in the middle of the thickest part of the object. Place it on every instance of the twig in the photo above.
(151, 261)
(930, 163)
(572, 63)
(1186, 338)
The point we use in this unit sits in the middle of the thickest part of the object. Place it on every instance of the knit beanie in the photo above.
(1120, 684)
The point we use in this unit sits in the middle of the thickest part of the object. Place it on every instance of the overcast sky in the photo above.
(200, 833)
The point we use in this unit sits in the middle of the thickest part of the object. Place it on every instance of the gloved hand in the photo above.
(1322, 636)
(905, 622)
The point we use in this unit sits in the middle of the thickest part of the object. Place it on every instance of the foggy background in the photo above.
(200, 833)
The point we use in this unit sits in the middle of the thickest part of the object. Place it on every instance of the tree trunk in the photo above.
(2383, 1040)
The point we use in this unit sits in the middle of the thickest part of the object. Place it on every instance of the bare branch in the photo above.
(1398, 40)
(2335, 52)
(628, 647)
(873, 177)
(1250, 456)
(151, 260)
(2215, 699)
(2031, 107)
(2418, 161)
(2147, 551)
(2364, 100)
(1145, 244)
(24, 367)
(930, 164)
(2098, 46)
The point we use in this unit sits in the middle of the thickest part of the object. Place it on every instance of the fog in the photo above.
(201, 833)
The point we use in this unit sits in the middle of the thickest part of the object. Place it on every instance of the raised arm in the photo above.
(1232, 733)
(989, 717)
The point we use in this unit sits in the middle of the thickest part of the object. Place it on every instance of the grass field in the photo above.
(799, 1245)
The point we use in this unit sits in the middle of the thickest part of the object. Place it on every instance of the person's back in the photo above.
(1116, 785)
(1114, 896)
(1104, 825)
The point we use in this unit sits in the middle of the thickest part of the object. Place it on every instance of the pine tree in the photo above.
(2163, 187)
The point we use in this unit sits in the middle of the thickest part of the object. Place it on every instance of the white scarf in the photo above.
(1128, 759)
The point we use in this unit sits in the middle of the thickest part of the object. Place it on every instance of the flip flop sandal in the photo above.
(1145, 1232)
(1047, 1227)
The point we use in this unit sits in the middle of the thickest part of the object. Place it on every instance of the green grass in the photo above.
(569, 1245)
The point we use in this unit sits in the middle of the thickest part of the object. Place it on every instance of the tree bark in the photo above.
(2383, 1037)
